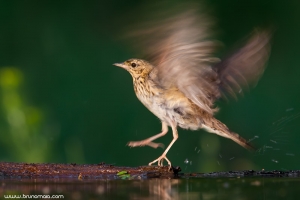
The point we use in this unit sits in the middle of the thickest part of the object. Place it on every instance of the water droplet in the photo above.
(259, 150)
(231, 158)
(220, 155)
(290, 154)
(289, 109)
(273, 141)
(186, 161)
(218, 162)
(255, 137)
(275, 161)
(195, 148)
(198, 151)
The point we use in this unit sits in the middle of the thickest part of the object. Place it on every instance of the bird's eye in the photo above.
(133, 64)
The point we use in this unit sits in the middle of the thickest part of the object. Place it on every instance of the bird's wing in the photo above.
(243, 68)
(178, 43)
(181, 50)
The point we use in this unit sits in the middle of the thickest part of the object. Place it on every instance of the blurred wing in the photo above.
(179, 46)
(243, 69)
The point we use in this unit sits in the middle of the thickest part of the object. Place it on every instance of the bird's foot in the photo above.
(160, 160)
(144, 143)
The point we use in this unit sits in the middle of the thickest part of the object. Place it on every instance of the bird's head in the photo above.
(136, 67)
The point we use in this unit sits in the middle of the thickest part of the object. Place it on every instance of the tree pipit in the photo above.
(183, 79)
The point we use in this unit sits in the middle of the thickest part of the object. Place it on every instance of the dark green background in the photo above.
(63, 101)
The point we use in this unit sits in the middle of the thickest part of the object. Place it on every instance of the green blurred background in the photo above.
(63, 101)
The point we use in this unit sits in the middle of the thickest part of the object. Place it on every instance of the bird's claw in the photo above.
(160, 160)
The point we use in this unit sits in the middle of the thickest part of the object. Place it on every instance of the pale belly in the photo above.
(175, 108)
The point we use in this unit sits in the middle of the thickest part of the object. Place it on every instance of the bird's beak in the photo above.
(120, 65)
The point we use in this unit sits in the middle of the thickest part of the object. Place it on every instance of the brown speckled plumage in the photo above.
(183, 79)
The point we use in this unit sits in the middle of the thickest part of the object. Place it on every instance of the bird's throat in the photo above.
(141, 87)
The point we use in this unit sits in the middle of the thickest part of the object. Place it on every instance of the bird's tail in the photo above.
(215, 126)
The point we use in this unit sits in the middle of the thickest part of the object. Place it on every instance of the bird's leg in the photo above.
(160, 159)
(148, 141)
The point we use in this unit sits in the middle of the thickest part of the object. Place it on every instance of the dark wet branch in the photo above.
(9, 170)
(80, 171)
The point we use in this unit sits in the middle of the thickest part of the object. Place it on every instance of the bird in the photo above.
(181, 79)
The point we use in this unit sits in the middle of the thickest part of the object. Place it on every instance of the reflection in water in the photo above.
(160, 189)
(183, 188)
